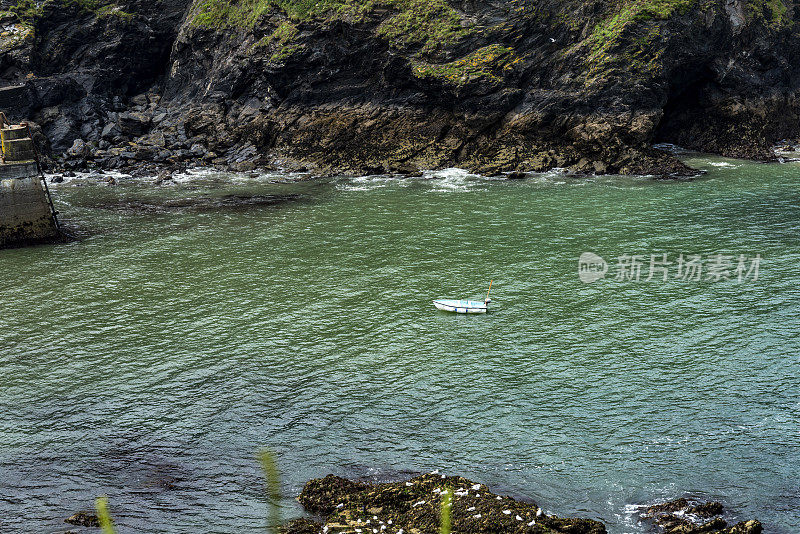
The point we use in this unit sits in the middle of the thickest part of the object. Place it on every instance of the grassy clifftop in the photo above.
(623, 35)
(426, 24)
(608, 31)
(27, 12)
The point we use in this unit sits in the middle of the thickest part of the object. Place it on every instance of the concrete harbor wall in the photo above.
(25, 215)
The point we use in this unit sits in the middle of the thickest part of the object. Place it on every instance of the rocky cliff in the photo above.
(373, 86)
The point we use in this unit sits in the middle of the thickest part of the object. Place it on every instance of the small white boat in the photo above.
(462, 306)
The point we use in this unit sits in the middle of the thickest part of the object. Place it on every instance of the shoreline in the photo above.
(56, 173)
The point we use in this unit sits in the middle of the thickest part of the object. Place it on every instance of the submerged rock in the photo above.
(226, 202)
(413, 506)
(83, 519)
(163, 176)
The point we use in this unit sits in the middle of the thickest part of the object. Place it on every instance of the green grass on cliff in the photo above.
(609, 30)
(280, 41)
(608, 33)
(487, 63)
(625, 40)
(427, 24)
(423, 25)
(28, 11)
(244, 14)
(772, 13)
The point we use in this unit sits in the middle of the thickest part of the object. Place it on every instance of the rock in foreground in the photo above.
(413, 507)
(682, 517)
(83, 519)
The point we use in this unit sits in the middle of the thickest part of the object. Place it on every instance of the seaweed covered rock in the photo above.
(83, 519)
(683, 517)
(414, 506)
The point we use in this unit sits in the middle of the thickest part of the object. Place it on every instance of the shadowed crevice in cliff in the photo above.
(706, 116)
(686, 106)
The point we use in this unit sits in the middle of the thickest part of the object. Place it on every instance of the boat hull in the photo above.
(461, 306)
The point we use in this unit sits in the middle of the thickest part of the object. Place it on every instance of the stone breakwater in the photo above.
(413, 506)
(25, 216)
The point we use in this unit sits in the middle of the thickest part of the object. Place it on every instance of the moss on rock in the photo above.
(28, 12)
(488, 63)
(414, 505)
(425, 25)
(608, 33)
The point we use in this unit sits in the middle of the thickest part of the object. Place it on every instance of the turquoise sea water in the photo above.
(150, 360)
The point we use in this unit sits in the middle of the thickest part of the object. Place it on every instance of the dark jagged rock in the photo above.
(414, 505)
(393, 86)
(709, 509)
(83, 519)
(682, 517)
(301, 526)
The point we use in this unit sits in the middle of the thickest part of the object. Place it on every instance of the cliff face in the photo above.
(402, 85)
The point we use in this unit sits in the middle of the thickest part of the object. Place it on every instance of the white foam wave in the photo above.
(453, 180)
(372, 182)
